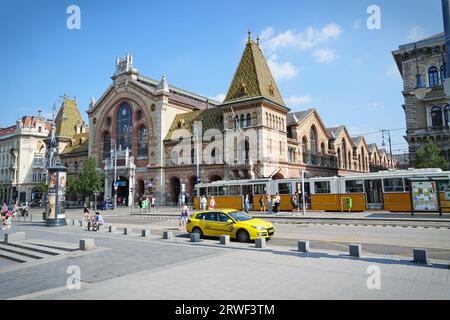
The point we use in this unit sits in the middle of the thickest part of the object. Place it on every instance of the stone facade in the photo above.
(23, 158)
(156, 132)
(428, 118)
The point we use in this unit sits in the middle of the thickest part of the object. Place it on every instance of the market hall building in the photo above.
(139, 128)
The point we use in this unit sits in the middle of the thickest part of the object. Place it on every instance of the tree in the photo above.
(42, 186)
(72, 186)
(89, 179)
(430, 156)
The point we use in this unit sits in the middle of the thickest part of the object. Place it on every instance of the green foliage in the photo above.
(42, 187)
(89, 180)
(72, 186)
(430, 156)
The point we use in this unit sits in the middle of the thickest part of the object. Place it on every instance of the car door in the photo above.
(223, 227)
(209, 223)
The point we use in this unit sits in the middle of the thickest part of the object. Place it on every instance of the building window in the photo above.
(106, 145)
(313, 140)
(236, 122)
(433, 76)
(249, 120)
(436, 117)
(443, 71)
(242, 121)
(447, 115)
(143, 142)
(124, 126)
(76, 166)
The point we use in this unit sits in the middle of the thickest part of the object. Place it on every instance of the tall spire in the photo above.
(253, 77)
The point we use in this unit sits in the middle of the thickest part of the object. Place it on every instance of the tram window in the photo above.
(259, 189)
(284, 188)
(393, 185)
(443, 185)
(322, 186)
(212, 191)
(354, 186)
(203, 191)
(407, 184)
(235, 190)
(223, 191)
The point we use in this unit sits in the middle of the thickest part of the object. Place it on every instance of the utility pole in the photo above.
(389, 140)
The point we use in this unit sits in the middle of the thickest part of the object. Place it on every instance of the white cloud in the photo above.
(283, 70)
(306, 39)
(324, 55)
(415, 34)
(220, 97)
(296, 101)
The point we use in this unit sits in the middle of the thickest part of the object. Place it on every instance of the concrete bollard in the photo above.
(127, 231)
(260, 243)
(145, 233)
(167, 235)
(420, 255)
(87, 244)
(195, 237)
(81, 223)
(112, 228)
(303, 246)
(225, 240)
(14, 237)
(354, 250)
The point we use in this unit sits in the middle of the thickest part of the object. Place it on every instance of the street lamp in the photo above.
(420, 90)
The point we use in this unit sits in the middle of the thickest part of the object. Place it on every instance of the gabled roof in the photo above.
(253, 77)
(210, 118)
(67, 119)
(299, 116)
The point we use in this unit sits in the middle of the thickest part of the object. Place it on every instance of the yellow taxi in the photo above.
(238, 225)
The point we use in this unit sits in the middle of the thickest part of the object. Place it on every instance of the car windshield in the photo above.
(239, 216)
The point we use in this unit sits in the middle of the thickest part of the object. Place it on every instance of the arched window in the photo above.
(339, 157)
(106, 145)
(344, 154)
(447, 115)
(305, 150)
(443, 71)
(193, 156)
(433, 76)
(124, 126)
(267, 119)
(235, 122)
(242, 121)
(436, 117)
(143, 142)
(249, 120)
(213, 155)
(313, 140)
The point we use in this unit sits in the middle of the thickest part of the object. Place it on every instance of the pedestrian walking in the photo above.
(262, 204)
(203, 203)
(140, 205)
(247, 203)
(153, 204)
(212, 203)
(269, 204)
(184, 216)
(294, 203)
(277, 202)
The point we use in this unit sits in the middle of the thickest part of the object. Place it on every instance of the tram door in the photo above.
(374, 194)
(247, 189)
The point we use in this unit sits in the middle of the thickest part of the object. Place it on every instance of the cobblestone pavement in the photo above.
(132, 267)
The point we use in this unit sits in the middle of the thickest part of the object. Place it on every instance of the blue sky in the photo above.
(321, 52)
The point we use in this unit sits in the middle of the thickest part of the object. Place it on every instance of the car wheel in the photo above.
(198, 230)
(242, 236)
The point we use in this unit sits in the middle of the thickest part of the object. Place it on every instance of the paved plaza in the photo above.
(132, 267)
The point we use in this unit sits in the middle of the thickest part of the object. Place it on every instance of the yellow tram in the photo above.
(384, 190)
